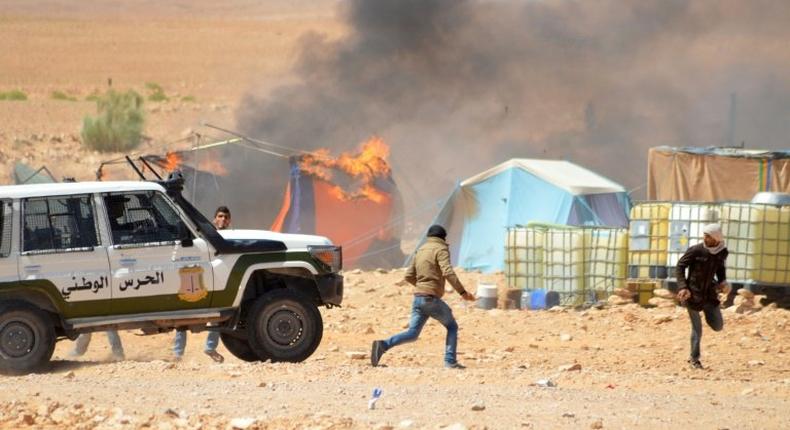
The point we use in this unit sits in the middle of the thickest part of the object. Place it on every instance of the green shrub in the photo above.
(119, 124)
(155, 92)
(158, 97)
(60, 95)
(154, 87)
(13, 95)
(188, 99)
(93, 97)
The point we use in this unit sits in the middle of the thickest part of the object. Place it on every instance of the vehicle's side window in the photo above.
(5, 228)
(58, 223)
(142, 217)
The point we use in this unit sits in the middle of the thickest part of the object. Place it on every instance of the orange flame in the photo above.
(173, 161)
(364, 167)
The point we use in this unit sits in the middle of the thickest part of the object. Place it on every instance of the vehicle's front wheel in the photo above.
(27, 338)
(240, 348)
(284, 326)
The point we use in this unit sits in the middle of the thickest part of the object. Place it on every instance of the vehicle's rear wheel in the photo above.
(240, 348)
(285, 326)
(27, 338)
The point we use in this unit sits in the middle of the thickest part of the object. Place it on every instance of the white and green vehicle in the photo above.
(84, 257)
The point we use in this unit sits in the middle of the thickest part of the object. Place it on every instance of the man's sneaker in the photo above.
(176, 358)
(216, 356)
(695, 363)
(117, 356)
(455, 365)
(376, 351)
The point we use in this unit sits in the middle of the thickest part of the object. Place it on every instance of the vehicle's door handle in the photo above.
(33, 268)
(127, 261)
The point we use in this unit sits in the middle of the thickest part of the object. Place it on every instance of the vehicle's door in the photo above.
(156, 260)
(61, 253)
(9, 272)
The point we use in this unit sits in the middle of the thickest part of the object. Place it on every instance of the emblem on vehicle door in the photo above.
(192, 288)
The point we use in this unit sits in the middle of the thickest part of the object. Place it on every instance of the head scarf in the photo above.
(714, 231)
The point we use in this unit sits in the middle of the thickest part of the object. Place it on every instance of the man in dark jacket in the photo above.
(429, 268)
(699, 290)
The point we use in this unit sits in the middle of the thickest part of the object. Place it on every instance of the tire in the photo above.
(27, 338)
(284, 326)
(240, 348)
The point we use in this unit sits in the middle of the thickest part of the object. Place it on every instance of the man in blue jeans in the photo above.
(429, 268)
(81, 345)
(698, 291)
(221, 222)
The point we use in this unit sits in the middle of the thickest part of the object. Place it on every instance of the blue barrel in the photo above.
(537, 299)
(542, 299)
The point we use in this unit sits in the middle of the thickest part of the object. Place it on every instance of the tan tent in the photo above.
(715, 174)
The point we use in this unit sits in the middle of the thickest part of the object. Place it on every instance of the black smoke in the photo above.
(457, 86)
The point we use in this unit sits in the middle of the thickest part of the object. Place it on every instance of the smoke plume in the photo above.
(457, 86)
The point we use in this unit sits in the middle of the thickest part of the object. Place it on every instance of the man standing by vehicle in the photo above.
(221, 222)
(429, 268)
(699, 291)
(81, 345)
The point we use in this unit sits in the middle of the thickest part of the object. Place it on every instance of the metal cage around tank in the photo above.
(582, 264)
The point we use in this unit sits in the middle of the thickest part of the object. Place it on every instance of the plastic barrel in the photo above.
(537, 299)
(486, 296)
(552, 299)
(525, 299)
(486, 302)
(513, 298)
(542, 299)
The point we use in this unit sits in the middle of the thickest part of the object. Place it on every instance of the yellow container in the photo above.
(580, 263)
(605, 258)
(524, 258)
(648, 240)
(563, 265)
(644, 290)
(758, 239)
(686, 221)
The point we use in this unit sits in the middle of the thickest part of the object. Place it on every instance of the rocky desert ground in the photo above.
(614, 367)
(205, 56)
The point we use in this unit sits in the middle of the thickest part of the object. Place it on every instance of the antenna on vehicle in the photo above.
(139, 173)
(145, 162)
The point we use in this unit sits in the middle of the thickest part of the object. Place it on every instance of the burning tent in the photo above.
(351, 199)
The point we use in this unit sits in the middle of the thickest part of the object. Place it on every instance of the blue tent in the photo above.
(481, 208)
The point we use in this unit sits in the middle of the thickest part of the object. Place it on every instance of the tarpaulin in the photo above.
(715, 174)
